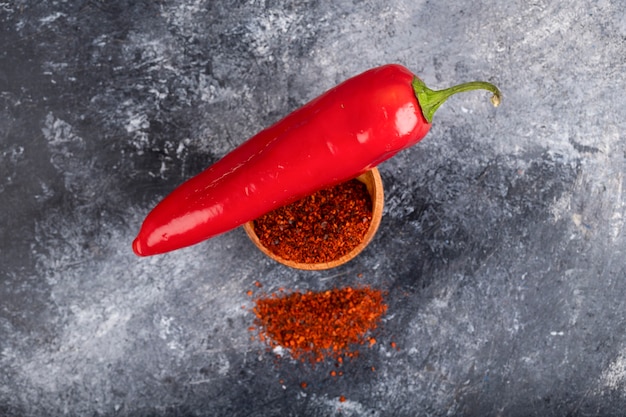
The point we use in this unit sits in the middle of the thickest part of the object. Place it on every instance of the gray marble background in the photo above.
(501, 246)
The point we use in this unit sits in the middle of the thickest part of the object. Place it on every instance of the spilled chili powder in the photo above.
(319, 228)
(318, 325)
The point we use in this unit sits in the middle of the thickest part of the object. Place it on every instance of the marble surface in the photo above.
(501, 246)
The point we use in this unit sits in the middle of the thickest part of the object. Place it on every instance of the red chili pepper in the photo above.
(335, 137)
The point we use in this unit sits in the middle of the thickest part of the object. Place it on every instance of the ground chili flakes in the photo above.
(319, 228)
(317, 325)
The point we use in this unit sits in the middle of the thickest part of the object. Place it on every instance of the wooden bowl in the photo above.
(374, 185)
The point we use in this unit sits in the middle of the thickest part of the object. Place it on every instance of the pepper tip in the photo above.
(137, 247)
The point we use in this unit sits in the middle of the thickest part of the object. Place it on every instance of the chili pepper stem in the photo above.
(430, 100)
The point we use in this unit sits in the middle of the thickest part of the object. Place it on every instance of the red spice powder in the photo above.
(319, 228)
(318, 325)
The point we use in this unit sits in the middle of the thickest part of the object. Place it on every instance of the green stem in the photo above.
(430, 100)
